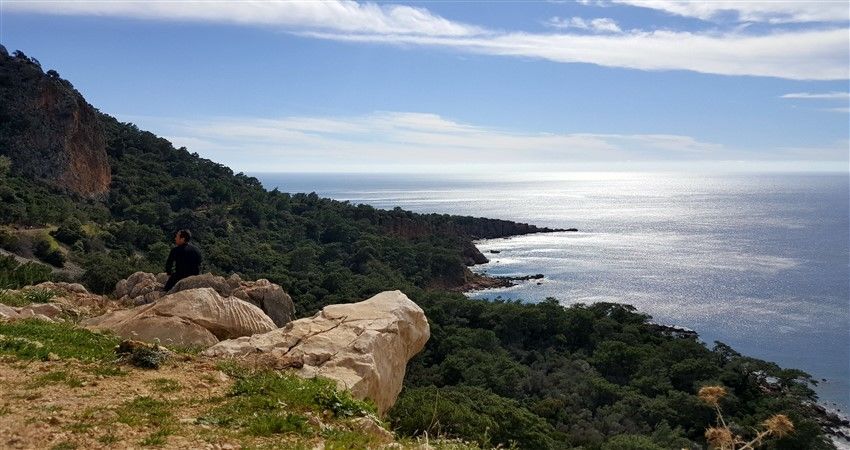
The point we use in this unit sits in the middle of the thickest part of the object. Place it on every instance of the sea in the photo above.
(759, 261)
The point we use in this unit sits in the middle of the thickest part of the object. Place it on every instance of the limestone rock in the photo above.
(207, 280)
(47, 309)
(28, 313)
(262, 293)
(196, 317)
(363, 346)
(142, 288)
(70, 299)
(269, 297)
(60, 288)
(369, 426)
(7, 312)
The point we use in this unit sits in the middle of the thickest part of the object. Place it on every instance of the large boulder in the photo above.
(363, 346)
(142, 288)
(195, 317)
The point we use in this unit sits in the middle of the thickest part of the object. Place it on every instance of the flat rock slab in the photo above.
(363, 346)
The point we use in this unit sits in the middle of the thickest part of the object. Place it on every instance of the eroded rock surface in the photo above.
(195, 317)
(363, 346)
(68, 300)
(142, 288)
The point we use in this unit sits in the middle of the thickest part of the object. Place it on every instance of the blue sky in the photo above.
(460, 86)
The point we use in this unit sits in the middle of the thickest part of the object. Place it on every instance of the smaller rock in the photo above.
(53, 357)
(47, 309)
(368, 426)
(234, 281)
(207, 280)
(7, 312)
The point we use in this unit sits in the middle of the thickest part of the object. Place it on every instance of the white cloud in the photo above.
(843, 110)
(813, 54)
(833, 95)
(600, 25)
(801, 55)
(336, 15)
(405, 139)
(784, 11)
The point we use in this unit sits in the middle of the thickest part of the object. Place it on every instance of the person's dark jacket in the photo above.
(185, 260)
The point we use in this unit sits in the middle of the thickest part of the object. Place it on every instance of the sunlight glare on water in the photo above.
(759, 262)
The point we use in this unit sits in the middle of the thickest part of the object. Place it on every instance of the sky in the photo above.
(462, 86)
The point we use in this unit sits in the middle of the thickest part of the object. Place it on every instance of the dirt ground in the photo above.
(64, 405)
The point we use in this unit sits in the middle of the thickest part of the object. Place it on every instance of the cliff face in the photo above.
(48, 130)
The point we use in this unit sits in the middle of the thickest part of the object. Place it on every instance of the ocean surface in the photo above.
(757, 261)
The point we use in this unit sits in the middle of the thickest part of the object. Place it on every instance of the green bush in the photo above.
(472, 414)
(14, 275)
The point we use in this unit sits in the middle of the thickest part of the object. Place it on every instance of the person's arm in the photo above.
(169, 263)
(197, 259)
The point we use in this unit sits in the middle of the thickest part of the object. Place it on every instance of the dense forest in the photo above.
(534, 375)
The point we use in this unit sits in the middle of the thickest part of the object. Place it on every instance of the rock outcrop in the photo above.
(194, 317)
(49, 131)
(363, 346)
(142, 288)
(67, 301)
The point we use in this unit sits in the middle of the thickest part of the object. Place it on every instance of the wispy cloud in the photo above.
(404, 139)
(809, 54)
(600, 25)
(784, 11)
(833, 95)
(336, 15)
(801, 55)
(843, 110)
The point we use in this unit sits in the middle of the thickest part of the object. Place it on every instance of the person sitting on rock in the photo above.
(185, 256)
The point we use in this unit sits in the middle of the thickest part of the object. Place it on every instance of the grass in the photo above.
(269, 392)
(157, 438)
(145, 411)
(55, 377)
(108, 439)
(35, 339)
(164, 385)
(278, 423)
(148, 412)
(270, 403)
(25, 298)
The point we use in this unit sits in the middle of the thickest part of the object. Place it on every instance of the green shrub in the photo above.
(14, 275)
(472, 414)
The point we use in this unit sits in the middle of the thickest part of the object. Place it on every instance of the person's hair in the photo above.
(185, 234)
